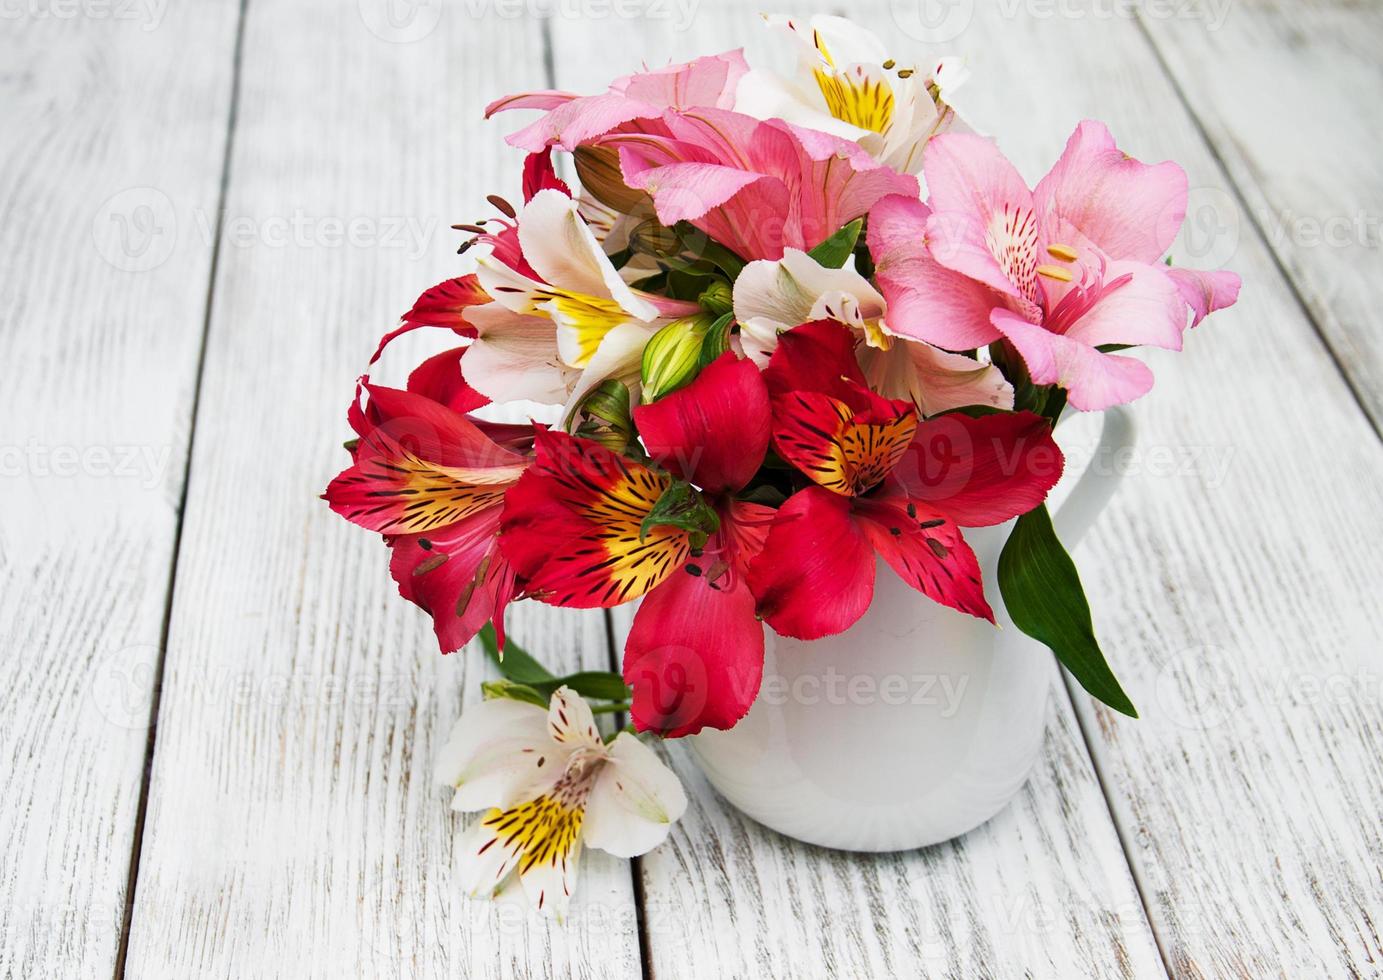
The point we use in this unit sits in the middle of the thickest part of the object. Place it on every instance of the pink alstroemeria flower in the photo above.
(1057, 271)
(756, 187)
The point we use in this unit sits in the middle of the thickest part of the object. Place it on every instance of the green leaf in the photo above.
(683, 507)
(514, 691)
(603, 685)
(833, 252)
(1045, 600)
(527, 680)
(515, 664)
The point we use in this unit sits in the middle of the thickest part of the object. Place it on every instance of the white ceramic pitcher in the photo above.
(912, 727)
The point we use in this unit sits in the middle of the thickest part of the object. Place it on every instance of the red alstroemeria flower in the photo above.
(573, 527)
(432, 480)
(885, 482)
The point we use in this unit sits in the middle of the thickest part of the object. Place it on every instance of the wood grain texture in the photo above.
(111, 153)
(1288, 94)
(1042, 890)
(1235, 580)
(293, 826)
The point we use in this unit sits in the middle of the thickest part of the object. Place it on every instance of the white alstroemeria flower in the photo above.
(847, 84)
(552, 337)
(771, 297)
(548, 784)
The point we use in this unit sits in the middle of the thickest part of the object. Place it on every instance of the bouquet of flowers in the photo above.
(777, 358)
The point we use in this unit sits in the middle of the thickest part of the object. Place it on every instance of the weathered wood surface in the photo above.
(293, 828)
(1288, 94)
(111, 154)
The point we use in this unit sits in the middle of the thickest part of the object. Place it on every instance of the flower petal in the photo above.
(1093, 380)
(571, 525)
(927, 551)
(933, 379)
(439, 378)
(1205, 292)
(820, 357)
(926, 301)
(560, 246)
(550, 881)
(485, 862)
(515, 357)
(619, 355)
(457, 575)
(635, 800)
(570, 721)
(491, 757)
(844, 452)
(1098, 194)
(815, 575)
(443, 305)
(421, 467)
(714, 432)
(1144, 306)
(539, 175)
(708, 81)
(980, 471)
(695, 655)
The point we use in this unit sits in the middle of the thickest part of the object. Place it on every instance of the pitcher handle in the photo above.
(1098, 483)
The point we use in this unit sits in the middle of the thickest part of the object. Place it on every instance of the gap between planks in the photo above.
(142, 808)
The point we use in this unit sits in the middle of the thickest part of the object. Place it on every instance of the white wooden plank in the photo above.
(110, 157)
(1288, 95)
(1042, 890)
(1236, 579)
(293, 827)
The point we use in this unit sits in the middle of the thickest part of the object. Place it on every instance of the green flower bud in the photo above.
(673, 357)
(716, 299)
(604, 416)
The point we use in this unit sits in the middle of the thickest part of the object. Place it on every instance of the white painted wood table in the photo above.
(218, 717)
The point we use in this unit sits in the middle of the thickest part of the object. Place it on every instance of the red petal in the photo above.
(714, 432)
(441, 306)
(538, 175)
(439, 378)
(815, 575)
(932, 557)
(695, 655)
(841, 451)
(981, 471)
(572, 525)
(420, 467)
(816, 356)
(458, 575)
